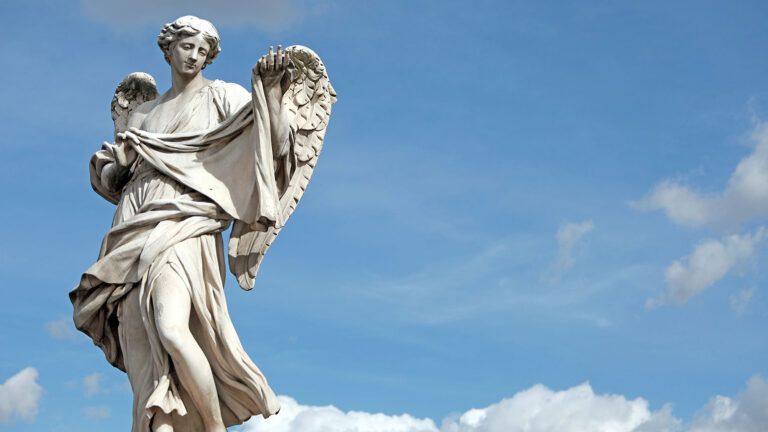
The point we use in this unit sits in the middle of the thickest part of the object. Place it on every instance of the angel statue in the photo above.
(184, 166)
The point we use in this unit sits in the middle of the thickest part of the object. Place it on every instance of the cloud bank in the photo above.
(577, 409)
(539, 409)
(20, 396)
(296, 417)
(268, 15)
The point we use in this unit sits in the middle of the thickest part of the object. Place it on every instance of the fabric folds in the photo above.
(208, 166)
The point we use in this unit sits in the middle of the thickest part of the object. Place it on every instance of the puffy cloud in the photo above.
(271, 15)
(296, 417)
(539, 409)
(709, 262)
(745, 197)
(577, 409)
(92, 384)
(62, 329)
(569, 235)
(745, 413)
(20, 396)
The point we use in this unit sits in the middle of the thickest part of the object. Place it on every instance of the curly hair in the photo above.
(189, 25)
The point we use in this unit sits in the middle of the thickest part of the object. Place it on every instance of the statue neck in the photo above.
(185, 83)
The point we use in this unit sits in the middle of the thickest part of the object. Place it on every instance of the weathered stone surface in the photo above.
(183, 167)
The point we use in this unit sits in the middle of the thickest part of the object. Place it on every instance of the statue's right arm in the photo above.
(117, 171)
(114, 176)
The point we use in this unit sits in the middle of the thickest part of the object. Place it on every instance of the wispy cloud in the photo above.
(92, 384)
(448, 291)
(538, 409)
(20, 396)
(97, 412)
(431, 198)
(569, 235)
(62, 329)
(741, 300)
(744, 198)
(270, 15)
(498, 278)
(709, 262)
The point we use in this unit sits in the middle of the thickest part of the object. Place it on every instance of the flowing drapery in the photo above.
(210, 164)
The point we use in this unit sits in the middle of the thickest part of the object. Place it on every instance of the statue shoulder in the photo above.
(230, 89)
(231, 96)
(140, 112)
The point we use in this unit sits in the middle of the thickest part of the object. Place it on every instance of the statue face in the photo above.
(188, 54)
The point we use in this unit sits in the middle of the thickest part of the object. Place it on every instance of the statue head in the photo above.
(187, 26)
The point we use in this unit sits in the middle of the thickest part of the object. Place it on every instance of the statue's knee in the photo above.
(173, 337)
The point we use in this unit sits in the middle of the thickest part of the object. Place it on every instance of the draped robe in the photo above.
(210, 164)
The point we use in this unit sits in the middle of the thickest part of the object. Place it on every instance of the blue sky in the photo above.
(511, 194)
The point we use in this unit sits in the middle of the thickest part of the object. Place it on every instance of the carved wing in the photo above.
(308, 100)
(133, 90)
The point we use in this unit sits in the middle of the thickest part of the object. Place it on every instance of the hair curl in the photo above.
(185, 26)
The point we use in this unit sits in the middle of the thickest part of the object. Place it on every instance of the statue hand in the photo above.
(125, 154)
(272, 67)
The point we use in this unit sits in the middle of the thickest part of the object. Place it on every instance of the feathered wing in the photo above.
(133, 90)
(308, 100)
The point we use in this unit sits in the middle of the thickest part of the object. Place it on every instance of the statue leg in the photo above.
(172, 307)
(136, 350)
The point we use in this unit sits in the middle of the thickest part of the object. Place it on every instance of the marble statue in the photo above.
(184, 166)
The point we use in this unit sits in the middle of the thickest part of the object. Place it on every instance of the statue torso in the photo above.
(199, 110)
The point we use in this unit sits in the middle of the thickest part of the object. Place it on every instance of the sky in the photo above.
(528, 215)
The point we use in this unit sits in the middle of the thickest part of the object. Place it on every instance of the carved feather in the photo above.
(133, 90)
(308, 100)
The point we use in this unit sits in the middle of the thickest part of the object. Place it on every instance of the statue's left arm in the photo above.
(274, 70)
(297, 95)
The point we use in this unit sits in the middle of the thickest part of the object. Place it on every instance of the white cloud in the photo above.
(569, 235)
(97, 412)
(709, 262)
(577, 409)
(20, 396)
(296, 417)
(62, 329)
(538, 409)
(741, 300)
(744, 198)
(92, 384)
(270, 15)
(745, 413)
